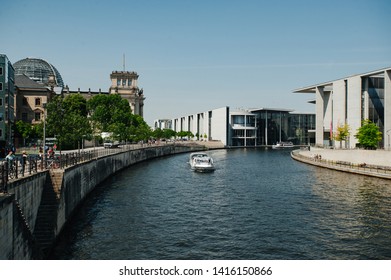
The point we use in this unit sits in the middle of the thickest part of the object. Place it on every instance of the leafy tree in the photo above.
(368, 135)
(187, 134)
(28, 131)
(182, 134)
(112, 113)
(169, 133)
(140, 129)
(109, 109)
(343, 133)
(67, 120)
(158, 133)
(55, 125)
(166, 133)
(190, 135)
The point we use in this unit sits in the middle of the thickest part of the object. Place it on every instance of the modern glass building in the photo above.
(7, 88)
(282, 125)
(38, 70)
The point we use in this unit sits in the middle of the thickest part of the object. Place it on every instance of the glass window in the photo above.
(238, 133)
(1, 117)
(250, 133)
(118, 82)
(37, 116)
(1, 71)
(1, 102)
(376, 102)
(24, 117)
(1, 86)
(250, 121)
(25, 101)
(1, 132)
(124, 82)
(130, 82)
(238, 119)
(37, 101)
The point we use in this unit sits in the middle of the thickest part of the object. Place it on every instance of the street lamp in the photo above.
(44, 127)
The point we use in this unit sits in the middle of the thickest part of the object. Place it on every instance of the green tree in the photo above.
(182, 134)
(169, 133)
(112, 113)
(109, 109)
(158, 133)
(368, 135)
(342, 134)
(140, 129)
(166, 133)
(28, 131)
(67, 120)
(190, 135)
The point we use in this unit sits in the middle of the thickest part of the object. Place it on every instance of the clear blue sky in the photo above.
(193, 56)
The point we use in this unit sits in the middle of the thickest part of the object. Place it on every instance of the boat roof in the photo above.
(199, 154)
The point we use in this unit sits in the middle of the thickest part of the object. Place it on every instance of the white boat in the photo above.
(201, 162)
(282, 145)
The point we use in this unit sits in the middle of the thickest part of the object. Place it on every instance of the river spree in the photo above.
(258, 204)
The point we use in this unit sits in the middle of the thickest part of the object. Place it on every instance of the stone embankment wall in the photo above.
(368, 163)
(36, 208)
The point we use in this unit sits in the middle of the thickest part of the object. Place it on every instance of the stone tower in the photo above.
(125, 84)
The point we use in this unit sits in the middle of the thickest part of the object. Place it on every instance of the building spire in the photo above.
(123, 61)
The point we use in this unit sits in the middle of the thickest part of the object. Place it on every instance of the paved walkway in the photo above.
(371, 157)
(365, 162)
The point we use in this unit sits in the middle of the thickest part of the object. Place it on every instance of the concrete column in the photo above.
(319, 137)
(387, 109)
(366, 99)
(354, 107)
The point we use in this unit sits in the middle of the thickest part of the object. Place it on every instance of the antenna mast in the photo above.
(123, 61)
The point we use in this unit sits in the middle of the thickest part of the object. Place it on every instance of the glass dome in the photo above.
(38, 70)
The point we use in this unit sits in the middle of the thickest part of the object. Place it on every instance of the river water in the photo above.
(258, 204)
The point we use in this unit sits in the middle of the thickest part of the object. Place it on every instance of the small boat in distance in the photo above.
(282, 145)
(201, 162)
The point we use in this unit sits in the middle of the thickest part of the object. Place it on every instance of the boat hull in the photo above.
(203, 169)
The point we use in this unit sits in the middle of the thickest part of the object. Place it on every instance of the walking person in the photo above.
(24, 161)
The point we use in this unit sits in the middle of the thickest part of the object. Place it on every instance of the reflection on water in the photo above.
(258, 204)
(355, 210)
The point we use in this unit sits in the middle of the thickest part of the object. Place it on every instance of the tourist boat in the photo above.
(282, 145)
(201, 162)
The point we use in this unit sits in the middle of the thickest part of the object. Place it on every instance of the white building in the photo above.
(162, 124)
(351, 100)
(208, 126)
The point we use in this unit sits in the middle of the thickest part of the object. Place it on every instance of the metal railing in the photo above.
(21, 167)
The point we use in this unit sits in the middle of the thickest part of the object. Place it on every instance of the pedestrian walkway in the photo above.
(375, 163)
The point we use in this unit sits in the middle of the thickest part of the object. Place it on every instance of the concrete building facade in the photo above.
(208, 126)
(349, 101)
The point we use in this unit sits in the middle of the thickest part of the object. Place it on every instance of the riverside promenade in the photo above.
(375, 163)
